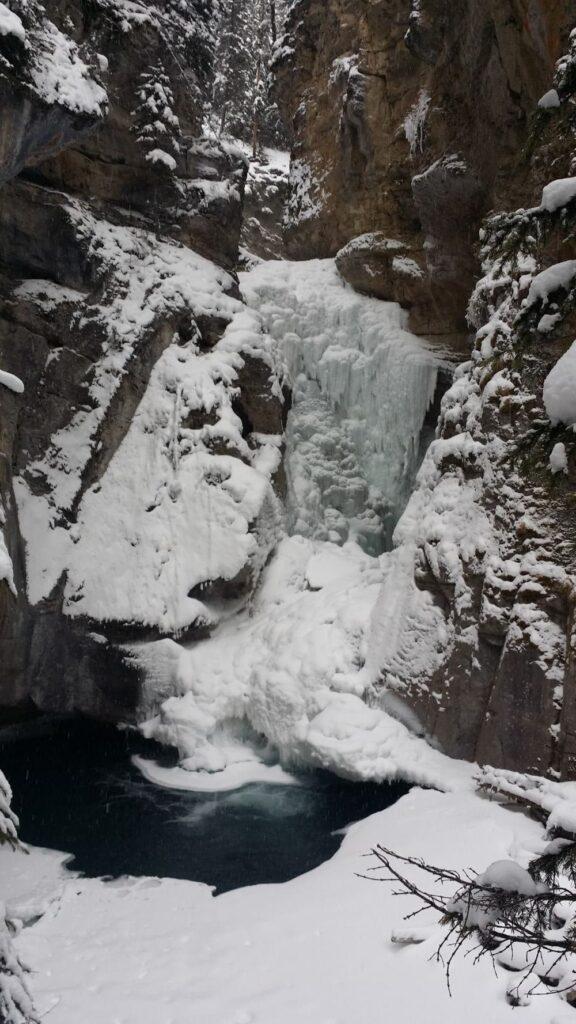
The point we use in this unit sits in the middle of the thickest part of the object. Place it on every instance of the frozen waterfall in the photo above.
(361, 388)
(283, 681)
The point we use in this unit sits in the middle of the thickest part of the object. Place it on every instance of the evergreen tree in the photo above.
(15, 1000)
(242, 105)
(155, 123)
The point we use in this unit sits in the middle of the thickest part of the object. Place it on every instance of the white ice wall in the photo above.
(361, 388)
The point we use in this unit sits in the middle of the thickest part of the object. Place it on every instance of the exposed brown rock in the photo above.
(409, 121)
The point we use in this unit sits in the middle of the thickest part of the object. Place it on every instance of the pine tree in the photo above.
(15, 1000)
(242, 106)
(155, 123)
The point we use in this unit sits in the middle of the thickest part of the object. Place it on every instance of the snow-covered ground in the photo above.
(316, 950)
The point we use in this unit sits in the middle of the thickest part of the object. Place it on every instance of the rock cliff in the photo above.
(409, 120)
(149, 391)
(491, 523)
(412, 122)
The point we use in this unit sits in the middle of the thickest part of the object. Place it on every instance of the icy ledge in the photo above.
(294, 668)
(233, 776)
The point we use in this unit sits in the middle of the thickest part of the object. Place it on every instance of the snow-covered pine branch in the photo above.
(524, 918)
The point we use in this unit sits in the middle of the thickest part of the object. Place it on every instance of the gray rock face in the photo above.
(264, 202)
(118, 222)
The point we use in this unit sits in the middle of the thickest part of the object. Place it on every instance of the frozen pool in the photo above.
(75, 789)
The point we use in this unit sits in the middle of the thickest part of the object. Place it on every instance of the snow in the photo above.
(509, 876)
(307, 194)
(163, 484)
(294, 665)
(548, 322)
(549, 281)
(415, 123)
(233, 776)
(8, 820)
(316, 950)
(558, 458)
(557, 799)
(6, 568)
(10, 381)
(30, 880)
(291, 668)
(550, 100)
(158, 156)
(559, 389)
(61, 77)
(342, 67)
(11, 24)
(558, 194)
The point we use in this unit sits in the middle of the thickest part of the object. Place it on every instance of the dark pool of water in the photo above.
(75, 789)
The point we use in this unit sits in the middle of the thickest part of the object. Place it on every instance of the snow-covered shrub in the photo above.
(523, 918)
(16, 1005)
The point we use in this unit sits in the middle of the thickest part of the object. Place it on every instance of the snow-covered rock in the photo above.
(560, 389)
(558, 194)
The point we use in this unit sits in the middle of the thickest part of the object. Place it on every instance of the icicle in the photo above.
(361, 388)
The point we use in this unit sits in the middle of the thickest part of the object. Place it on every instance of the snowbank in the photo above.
(60, 76)
(549, 281)
(10, 381)
(559, 458)
(294, 667)
(11, 24)
(129, 557)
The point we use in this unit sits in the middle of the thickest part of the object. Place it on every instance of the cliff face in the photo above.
(489, 533)
(409, 119)
(149, 391)
(412, 121)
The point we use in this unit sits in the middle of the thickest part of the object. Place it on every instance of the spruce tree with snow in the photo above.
(156, 125)
(242, 105)
(16, 1005)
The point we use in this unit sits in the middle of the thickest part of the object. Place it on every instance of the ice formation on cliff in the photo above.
(362, 385)
(292, 669)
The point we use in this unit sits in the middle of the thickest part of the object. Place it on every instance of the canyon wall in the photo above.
(148, 391)
(413, 122)
(410, 120)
